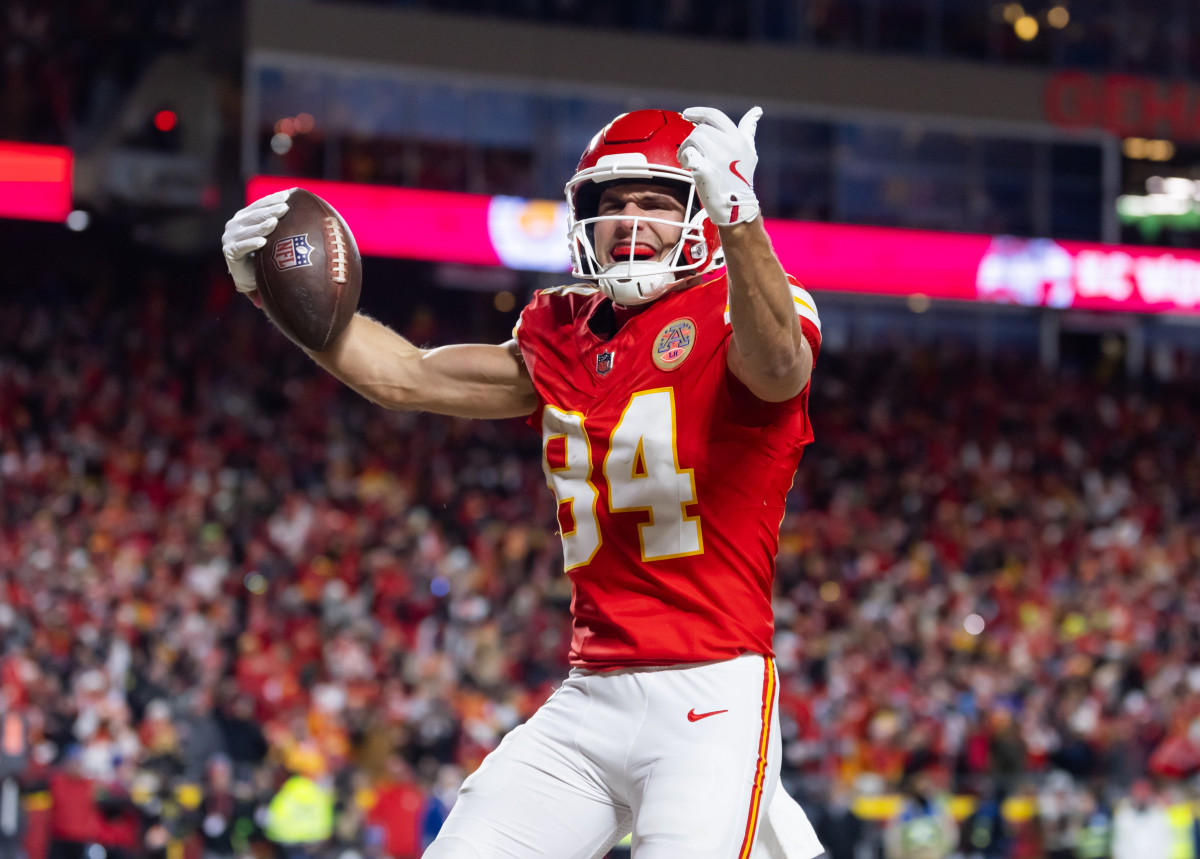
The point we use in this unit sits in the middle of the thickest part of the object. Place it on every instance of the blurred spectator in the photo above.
(75, 820)
(1025, 824)
(924, 828)
(300, 817)
(439, 802)
(1141, 826)
(985, 832)
(1091, 826)
(221, 812)
(397, 810)
(200, 734)
(1056, 808)
(159, 738)
(87, 811)
(839, 829)
(14, 762)
(1181, 816)
(241, 734)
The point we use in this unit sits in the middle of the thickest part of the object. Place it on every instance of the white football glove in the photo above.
(247, 231)
(722, 159)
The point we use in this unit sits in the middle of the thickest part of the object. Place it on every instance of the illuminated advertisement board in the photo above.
(475, 229)
(35, 182)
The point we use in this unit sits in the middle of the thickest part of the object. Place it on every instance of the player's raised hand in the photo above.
(722, 159)
(247, 231)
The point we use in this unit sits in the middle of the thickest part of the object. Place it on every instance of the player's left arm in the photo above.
(769, 352)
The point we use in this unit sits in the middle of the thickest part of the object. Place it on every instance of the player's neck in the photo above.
(609, 317)
(623, 313)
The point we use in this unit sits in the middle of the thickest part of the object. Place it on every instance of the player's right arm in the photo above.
(469, 381)
(465, 381)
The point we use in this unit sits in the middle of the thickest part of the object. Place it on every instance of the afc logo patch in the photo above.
(604, 362)
(292, 252)
(674, 344)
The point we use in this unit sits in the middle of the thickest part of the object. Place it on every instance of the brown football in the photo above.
(309, 273)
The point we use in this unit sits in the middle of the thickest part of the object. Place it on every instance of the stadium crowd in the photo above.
(221, 570)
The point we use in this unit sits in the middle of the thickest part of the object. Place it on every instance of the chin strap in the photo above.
(625, 284)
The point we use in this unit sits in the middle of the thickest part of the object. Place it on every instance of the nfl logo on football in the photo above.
(291, 252)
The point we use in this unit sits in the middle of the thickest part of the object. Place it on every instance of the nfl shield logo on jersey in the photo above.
(604, 362)
(291, 252)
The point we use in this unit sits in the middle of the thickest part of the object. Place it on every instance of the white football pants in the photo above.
(686, 757)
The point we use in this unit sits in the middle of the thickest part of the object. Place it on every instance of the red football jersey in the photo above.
(670, 475)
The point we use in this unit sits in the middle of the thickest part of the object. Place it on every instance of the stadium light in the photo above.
(1058, 17)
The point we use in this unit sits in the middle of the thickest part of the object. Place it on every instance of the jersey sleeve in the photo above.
(533, 327)
(810, 320)
(806, 309)
(545, 335)
(549, 311)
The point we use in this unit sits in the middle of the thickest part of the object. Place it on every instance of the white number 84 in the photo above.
(642, 473)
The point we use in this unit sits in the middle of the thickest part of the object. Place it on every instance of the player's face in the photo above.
(615, 240)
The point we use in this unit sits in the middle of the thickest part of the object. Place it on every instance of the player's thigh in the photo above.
(520, 821)
(534, 797)
(708, 781)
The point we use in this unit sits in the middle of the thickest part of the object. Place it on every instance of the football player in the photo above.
(670, 387)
